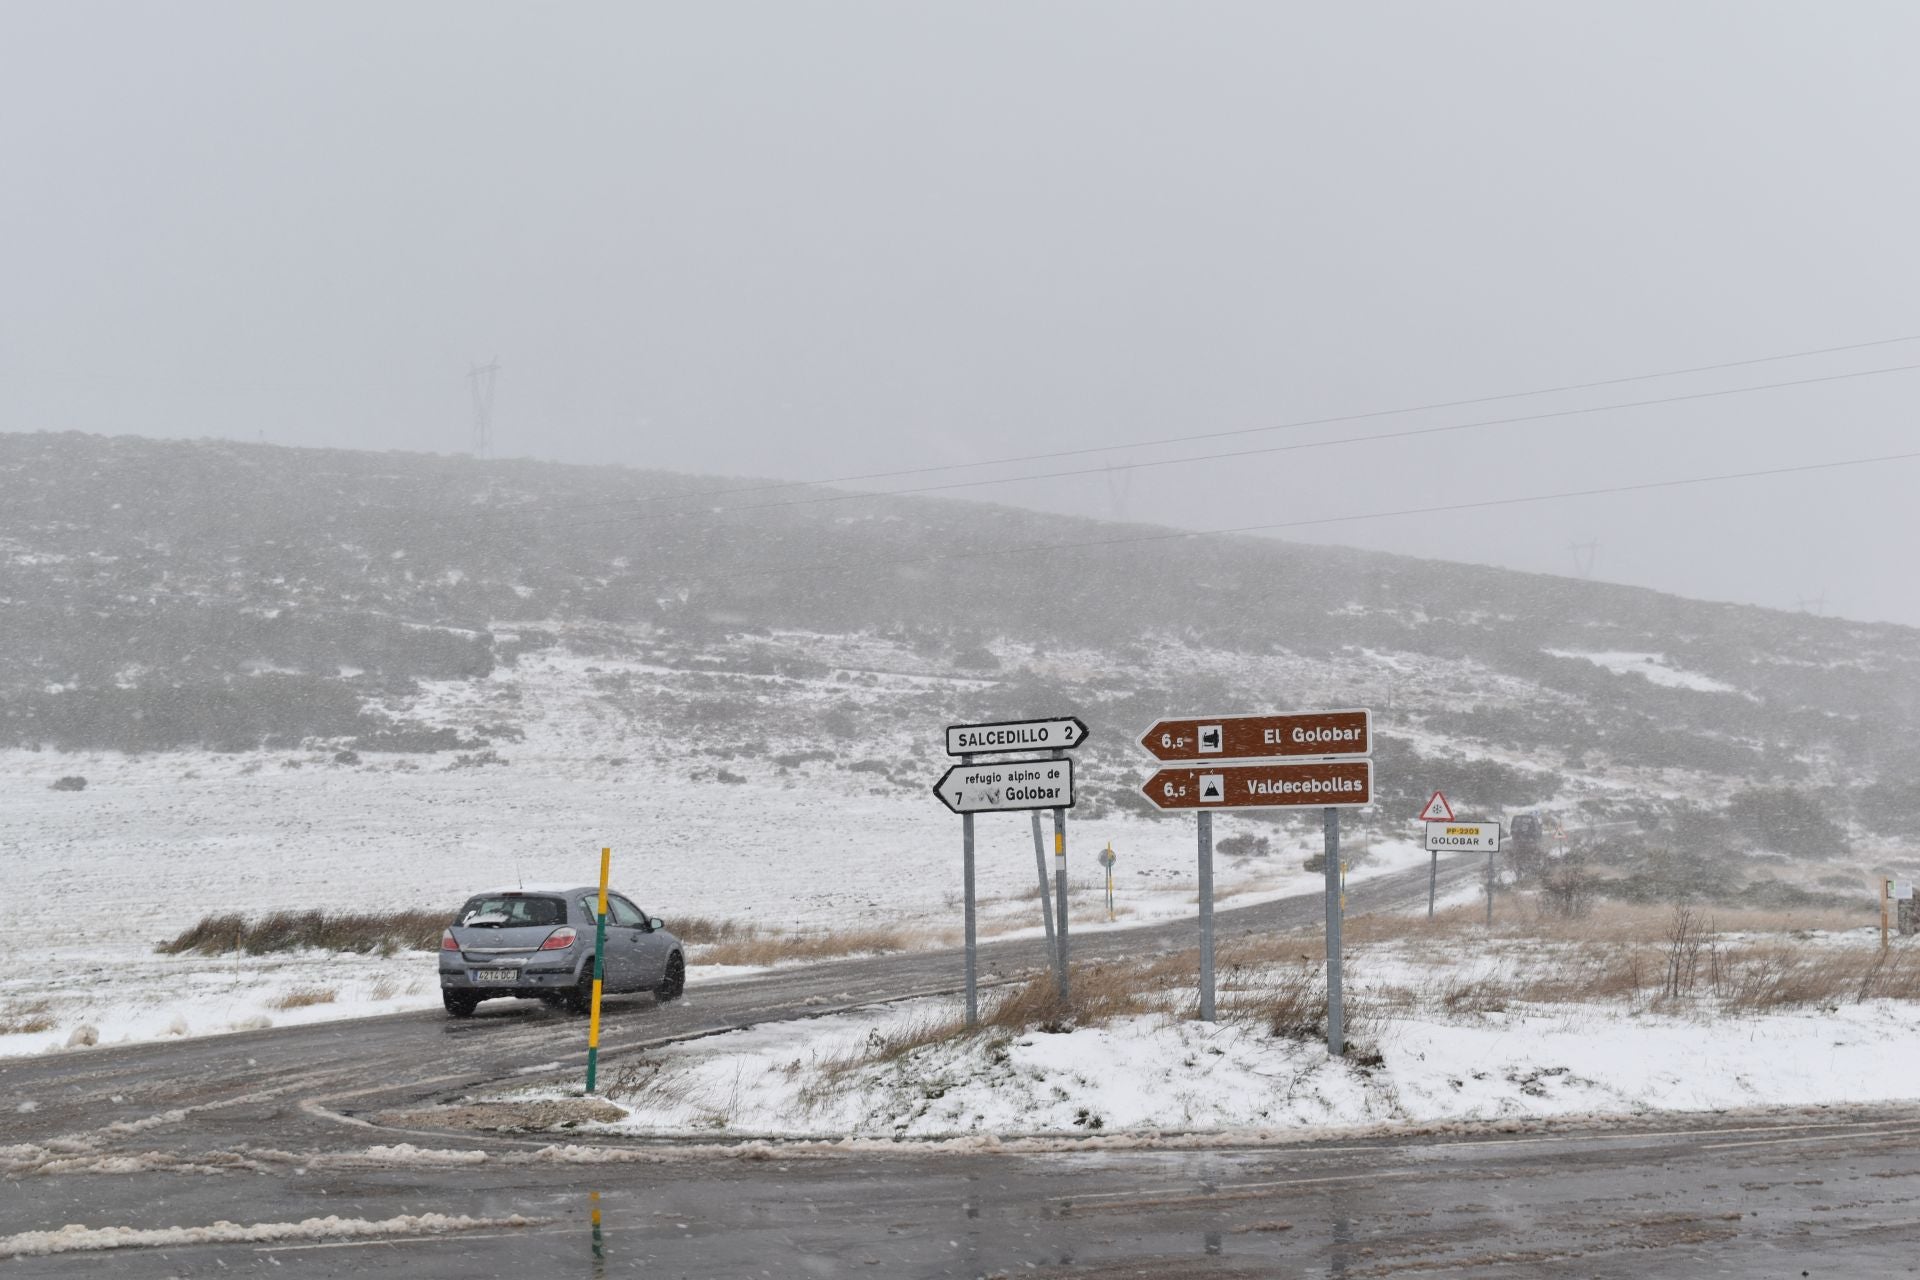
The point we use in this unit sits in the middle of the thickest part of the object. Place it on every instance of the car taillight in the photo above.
(559, 940)
(447, 942)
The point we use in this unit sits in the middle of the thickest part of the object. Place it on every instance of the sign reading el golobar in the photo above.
(1007, 785)
(1463, 837)
(1061, 733)
(1312, 733)
(1342, 784)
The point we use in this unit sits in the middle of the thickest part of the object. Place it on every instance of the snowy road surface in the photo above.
(258, 1152)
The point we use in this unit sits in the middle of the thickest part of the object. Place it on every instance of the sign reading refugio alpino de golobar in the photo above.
(1006, 786)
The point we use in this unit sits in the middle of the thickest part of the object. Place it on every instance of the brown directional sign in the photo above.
(1311, 733)
(1345, 784)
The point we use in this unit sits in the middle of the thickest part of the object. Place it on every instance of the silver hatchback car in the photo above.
(537, 942)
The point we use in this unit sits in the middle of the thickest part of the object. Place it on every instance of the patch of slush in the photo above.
(76, 1238)
(1651, 666)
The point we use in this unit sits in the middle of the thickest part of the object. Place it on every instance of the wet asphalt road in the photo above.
(273, 1127)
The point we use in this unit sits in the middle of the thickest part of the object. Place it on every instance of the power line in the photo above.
(1338, 442)
(1337, 419)
(1177, 535)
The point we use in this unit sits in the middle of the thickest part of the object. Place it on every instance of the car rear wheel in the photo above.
(675, 980)
(580, 998)
(459, 1003)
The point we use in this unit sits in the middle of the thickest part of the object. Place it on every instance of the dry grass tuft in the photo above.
(302, 998)
(749, 945)
(384, 932)
(1096, 994)
(703, 931)
(1290, 1002)
(1099, 993)
(26, 1017)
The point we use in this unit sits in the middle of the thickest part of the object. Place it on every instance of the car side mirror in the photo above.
(656, 923)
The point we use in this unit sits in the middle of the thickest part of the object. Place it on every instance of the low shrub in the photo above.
(362, 932)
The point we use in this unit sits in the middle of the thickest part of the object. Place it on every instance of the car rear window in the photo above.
(511, 910)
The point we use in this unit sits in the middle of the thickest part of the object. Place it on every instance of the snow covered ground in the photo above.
(1654, 667)
(154, 842)
(1157, 1072)
(615, 752)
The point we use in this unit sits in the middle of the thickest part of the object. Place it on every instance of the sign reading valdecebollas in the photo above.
(1315, 733)
(1339, 784)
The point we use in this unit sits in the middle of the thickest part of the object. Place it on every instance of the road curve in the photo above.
(266, 1128)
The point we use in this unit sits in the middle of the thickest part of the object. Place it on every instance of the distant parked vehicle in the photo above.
(1526, 842)
(538, 943)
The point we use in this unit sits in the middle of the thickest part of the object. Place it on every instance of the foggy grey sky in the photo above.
(801, 240)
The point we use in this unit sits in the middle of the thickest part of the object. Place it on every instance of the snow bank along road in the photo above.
(251, 1153)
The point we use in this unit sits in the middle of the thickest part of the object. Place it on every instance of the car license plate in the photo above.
(496, 975)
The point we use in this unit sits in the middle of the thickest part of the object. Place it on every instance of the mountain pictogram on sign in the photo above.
(1437, 810)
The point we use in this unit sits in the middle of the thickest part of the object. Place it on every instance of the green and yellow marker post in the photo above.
(599, 972)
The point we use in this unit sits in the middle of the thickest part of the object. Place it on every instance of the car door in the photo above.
(634, 972)
(618, 953)
(649, 950)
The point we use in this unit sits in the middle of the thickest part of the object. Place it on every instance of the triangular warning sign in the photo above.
(1437, 810)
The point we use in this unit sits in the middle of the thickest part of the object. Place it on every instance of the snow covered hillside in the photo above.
(257, 678)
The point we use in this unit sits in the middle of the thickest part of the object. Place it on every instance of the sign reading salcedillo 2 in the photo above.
(1313, 733)
(1060, 733)
(1342, 784)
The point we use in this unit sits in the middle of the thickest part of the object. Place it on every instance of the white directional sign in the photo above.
(1007, 785)
(1463, 837)
(1061, 733)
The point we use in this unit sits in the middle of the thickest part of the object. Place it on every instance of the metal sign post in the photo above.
(1489, 888)
(599, 973)
(1060, 902)
(1106, 859)
(1336, 1030)
(1206, 917)
(1046, 894)
(966, 877)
